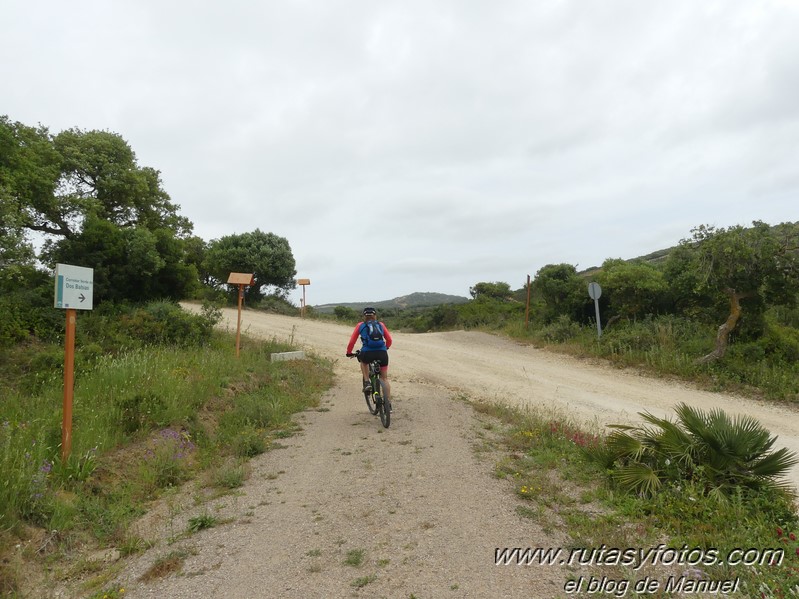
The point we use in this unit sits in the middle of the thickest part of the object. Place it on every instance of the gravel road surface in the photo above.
(348, 509)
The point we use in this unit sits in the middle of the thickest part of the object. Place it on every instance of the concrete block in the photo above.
(287, 355)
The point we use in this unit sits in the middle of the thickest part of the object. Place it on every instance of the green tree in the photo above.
(130, 263)
(496, 290)
(562, 290)
(100, 176)
(28, 174)
(54, 183)
(756, 265)
(85, 192)
(633, 289)
(345, 313)
(266, 255)
(685, 294)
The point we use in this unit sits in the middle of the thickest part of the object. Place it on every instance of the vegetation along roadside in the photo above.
(699, 494)
(160, 399)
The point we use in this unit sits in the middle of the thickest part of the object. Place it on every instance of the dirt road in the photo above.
(348, 509)
(487, 367)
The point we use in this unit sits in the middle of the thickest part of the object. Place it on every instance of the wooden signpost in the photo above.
(241, 279)
(74, 289)
(303, 283)
(527, 309)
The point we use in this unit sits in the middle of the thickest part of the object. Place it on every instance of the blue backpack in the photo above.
(372, 335)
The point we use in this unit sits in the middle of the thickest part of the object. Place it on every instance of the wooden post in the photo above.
(241, 279)
(238, 324)
(527, 310)
(69, 380)
(303, 283)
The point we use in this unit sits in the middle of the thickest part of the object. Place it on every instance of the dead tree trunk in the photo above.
(723, 335)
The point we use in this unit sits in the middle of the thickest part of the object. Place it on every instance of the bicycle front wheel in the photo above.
(385, 406)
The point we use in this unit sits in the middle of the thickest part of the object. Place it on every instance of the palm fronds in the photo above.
(711, 449)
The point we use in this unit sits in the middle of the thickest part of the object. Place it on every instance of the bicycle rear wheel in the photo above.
(384, 406)
(370, 401)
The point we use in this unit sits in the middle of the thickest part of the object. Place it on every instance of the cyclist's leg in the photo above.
(384, 372)
(364, 364)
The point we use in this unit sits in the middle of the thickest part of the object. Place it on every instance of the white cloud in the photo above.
(481, 141)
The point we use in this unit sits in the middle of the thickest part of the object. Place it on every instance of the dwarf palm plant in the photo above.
(709, 449)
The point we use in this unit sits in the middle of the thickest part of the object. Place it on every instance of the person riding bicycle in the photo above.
(375, 339)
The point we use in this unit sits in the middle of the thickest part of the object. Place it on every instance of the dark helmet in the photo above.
(369, 311)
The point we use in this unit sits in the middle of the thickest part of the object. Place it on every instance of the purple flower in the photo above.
(693, 573)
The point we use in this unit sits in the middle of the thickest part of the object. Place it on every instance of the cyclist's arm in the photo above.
(387, 335)
(354, 338)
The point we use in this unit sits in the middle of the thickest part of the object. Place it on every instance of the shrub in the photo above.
(710, 450)
(563, 329)
(275, 304)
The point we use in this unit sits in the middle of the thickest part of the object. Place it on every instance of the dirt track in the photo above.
(416, 501)
(487, 367)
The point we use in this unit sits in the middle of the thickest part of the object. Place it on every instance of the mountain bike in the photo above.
(375, 394)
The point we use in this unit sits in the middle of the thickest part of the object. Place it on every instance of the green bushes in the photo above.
(275, 304)
(562, 330)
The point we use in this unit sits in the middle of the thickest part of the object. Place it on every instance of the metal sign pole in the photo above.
(595, 292)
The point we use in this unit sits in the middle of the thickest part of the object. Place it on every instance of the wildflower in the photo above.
(694, 573)
(792, 536)
(779, 532)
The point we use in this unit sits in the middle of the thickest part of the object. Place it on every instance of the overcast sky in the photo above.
(406, 146)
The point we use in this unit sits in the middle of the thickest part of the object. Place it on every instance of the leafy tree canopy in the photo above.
(96, 207)
(563, 291)
(28, 172)
(52, 183)
(497, 290)
(130, 263)
(634, 288)
(266, 255)
(757, 264)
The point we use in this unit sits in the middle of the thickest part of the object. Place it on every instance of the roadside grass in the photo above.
(145, 421)
(544, 460)
(669, 346)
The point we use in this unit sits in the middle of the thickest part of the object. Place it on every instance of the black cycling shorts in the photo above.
(372, 355)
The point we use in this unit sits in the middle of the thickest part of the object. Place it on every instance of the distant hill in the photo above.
(414, 300)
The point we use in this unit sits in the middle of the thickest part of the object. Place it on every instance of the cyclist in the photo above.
(376, 339)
